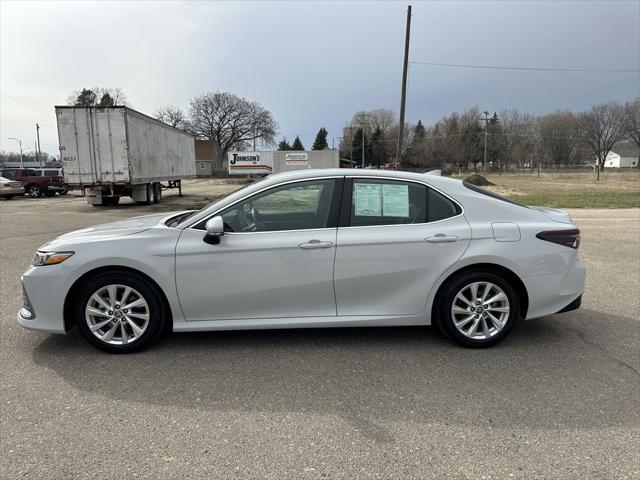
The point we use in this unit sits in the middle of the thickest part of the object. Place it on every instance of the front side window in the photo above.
(296, 206)
(51, 173)
(387, 202)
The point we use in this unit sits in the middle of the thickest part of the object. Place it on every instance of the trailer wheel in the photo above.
(157, 192)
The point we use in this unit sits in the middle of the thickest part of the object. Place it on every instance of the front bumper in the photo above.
(46, 288)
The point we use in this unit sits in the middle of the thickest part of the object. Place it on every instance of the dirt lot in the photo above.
(557, 399)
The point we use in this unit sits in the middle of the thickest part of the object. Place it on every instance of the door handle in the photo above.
(314, 244)
(442, 238)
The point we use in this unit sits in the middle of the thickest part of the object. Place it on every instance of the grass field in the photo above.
(616, 189)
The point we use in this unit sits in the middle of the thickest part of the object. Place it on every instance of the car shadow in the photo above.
(549, 373)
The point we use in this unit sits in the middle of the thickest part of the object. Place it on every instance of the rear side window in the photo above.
(10, 174)
(31, 173)
(491, 194)
(51, 173)
(440, 207)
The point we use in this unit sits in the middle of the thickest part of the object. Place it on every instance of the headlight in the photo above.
(49, 258)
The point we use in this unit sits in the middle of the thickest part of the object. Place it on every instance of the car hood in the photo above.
(121, 228)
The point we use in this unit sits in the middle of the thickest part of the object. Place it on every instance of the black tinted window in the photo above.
(10, 174)
(387, 202)
(31, 173)
(51, 173)
(440, 207)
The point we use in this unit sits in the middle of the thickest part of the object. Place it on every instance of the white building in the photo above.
(622, 155)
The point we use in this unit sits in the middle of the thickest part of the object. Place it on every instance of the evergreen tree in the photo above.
(496, 142)
(106, 101)
(86, 98)
(320, 142)
(359, 139)
(297, 144)
(284, 145)
(378, 147)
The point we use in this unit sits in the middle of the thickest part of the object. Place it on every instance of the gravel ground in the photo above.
(559, 398)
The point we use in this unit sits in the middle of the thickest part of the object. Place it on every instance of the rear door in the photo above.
(394, 241)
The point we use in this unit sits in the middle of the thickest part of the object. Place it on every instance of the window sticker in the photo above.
(367, 200)
(395, 200)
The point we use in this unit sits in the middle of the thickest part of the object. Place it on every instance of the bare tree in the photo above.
(173, 116)
(631, 121)
(230, 121)
(557, 134)
(601, 128)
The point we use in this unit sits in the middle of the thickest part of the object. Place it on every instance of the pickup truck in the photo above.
(37, 181)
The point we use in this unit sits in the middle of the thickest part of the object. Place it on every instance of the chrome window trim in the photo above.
(297, 180)
(301, 180)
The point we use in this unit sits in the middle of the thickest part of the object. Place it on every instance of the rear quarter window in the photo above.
(440, 207)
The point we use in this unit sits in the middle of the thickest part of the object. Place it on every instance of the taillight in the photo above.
(568, 238)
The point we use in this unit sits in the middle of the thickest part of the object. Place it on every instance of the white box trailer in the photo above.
(116, 151)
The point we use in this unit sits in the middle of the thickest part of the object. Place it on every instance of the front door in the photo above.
(395, 240)
(275, 259)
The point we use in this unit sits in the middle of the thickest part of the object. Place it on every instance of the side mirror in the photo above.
(215, 229)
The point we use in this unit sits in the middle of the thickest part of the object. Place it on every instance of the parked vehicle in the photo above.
(114, 152)
(313, 248)
(37, 181)
(9, 189)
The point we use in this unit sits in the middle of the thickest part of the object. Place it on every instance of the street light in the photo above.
(20, 143)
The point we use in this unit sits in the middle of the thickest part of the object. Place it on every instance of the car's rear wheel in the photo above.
(120, 312)
(34, 191)
(477, 309)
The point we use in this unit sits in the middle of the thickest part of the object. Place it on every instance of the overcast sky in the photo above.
(312, 63)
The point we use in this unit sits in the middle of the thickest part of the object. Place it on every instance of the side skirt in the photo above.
(301, 322)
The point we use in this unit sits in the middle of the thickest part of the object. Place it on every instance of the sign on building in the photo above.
(249, 163)
(299, 158)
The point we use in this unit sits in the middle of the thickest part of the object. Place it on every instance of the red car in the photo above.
(37, 181)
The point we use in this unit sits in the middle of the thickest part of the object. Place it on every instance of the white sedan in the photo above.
(10, 188)
(313, 248)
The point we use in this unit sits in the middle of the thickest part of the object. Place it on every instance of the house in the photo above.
(208, 161)
(622, 155)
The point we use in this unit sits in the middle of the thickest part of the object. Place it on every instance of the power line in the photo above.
(536, 69)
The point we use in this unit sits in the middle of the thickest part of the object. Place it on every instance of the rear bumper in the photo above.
(549, 294)
(12, 191)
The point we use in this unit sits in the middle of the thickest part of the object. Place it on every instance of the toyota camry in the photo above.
(313, 248)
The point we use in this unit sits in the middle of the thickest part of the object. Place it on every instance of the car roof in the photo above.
(359, 172)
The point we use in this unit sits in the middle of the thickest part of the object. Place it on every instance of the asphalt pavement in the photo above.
(559, 398)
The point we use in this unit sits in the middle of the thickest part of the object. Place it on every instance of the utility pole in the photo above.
(403, 96)
(486, 131)
(38, 151)
(363, 123)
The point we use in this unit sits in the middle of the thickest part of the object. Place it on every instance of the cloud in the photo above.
(311, 64)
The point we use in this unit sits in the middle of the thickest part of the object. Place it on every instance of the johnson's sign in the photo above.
(250, 162)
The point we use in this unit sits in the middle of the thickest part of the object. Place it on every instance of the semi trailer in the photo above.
(111, 152)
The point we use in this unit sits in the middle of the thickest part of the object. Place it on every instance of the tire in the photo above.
(50, 193)
(34, 191)
(157, 192)
(493, 321)
(8, 197)
(111, 201)
(149, 316)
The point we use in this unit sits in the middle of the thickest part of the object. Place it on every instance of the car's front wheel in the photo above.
(477, 309)
(120, 312)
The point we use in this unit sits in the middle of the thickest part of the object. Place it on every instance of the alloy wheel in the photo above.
(480, 310)
(117, 314)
